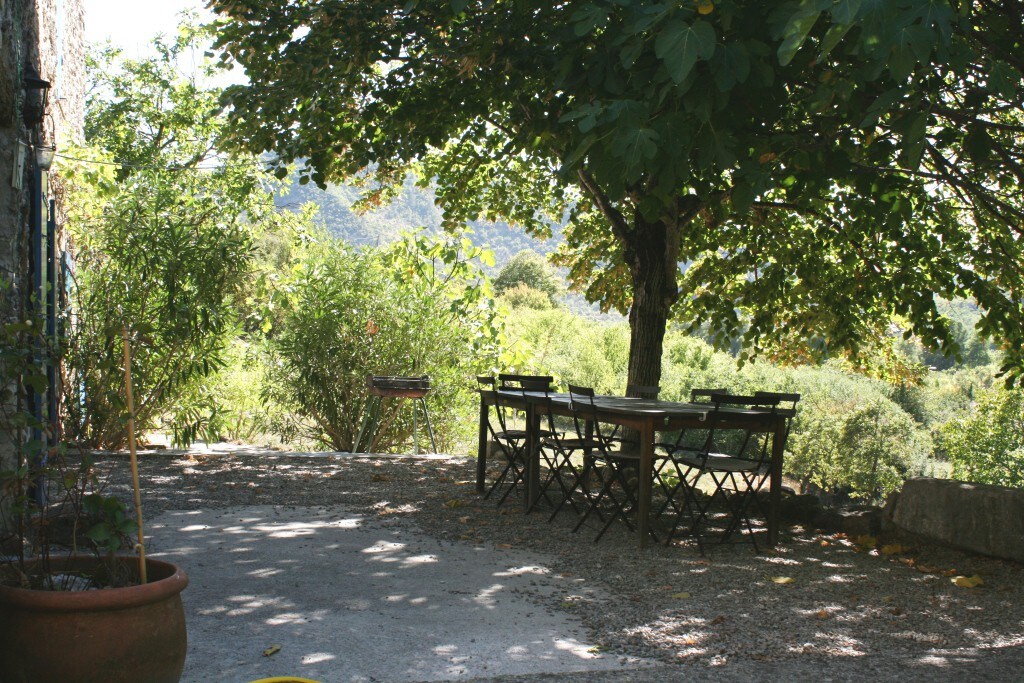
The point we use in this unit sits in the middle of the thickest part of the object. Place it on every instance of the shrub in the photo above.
(417, 307)
(522, 295)
(531, 269)
(572, 349)
(987, 446)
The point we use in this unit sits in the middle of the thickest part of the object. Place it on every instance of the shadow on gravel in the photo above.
(821, 606)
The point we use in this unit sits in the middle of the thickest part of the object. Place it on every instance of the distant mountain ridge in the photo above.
(414, 207)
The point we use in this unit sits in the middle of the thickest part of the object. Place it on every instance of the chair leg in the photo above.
(512, 452)
(593, 503)
(556, 465)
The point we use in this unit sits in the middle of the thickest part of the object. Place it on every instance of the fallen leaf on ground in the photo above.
(782, 580)
(866, 541)
(822, 614)
(504, 546)
(453, 503)
(272, 650)
(681, 596)
(968, 581)
(951, 572)
(892, 549)
(465, 519)
(717, 620)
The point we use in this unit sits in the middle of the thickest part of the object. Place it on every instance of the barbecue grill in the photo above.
(390, 386)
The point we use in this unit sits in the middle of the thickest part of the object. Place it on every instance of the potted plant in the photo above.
(73, 606)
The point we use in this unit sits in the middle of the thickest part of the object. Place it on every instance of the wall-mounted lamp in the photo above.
(44, 157)
(36, 92)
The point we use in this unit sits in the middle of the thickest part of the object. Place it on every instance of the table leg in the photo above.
(481, 447)
(775, 495)
(646, 475)
(532, 457)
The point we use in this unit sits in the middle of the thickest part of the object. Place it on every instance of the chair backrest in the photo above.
(504, 411)
(584, 412)
(748, 444)
(515, 381)
(781, 398)
(704, 395)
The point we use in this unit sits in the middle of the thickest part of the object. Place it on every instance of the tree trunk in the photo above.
(651, 253)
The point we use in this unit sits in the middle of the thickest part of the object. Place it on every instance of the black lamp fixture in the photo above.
(36, 91)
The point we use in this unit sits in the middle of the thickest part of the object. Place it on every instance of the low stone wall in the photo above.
(976, 517)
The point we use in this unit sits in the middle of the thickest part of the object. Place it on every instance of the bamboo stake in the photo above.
(141, 546)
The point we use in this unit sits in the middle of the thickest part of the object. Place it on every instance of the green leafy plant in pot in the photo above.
(73, 606)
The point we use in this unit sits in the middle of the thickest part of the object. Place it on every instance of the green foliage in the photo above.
(531, 269)
(850, 438)
(113, 527)
(524, 296)
(820, 167)
(987, 446)
(570, 348)
(418, 307)
(163, 234)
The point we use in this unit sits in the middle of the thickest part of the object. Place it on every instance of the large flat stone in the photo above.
(977, 517)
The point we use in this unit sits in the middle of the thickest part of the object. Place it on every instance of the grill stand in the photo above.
(381, 387)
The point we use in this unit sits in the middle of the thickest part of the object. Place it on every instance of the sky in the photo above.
(132, 25)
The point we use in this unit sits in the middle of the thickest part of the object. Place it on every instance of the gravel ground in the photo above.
(817, 607)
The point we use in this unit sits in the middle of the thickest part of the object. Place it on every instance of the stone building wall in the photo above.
(46, 36)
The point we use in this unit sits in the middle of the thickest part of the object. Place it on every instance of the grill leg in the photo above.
(369, 423)
(426, 418)
(415, 432)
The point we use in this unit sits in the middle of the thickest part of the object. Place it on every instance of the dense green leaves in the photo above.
(530, 269)
(988, 445)
(418, 307)
(162, 226)
(680, 45)
(819, 166)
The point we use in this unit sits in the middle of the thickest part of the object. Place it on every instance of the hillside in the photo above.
(413, 208)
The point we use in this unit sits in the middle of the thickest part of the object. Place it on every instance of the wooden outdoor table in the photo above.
(647, 416)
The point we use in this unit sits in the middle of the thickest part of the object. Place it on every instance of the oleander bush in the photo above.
(417, 307)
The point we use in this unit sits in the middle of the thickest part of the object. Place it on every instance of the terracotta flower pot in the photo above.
(131, 635)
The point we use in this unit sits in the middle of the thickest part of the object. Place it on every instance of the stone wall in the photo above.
(47, 36)
(977, 517)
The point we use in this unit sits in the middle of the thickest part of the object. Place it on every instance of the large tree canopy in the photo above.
(780, 171)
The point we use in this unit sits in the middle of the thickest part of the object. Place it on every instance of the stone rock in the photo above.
(866, 521)
(976, 517)
(799, 508)
(854, 522)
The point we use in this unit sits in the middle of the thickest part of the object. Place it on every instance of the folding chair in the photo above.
(556, 451)
(754, 478)
(611, 467)
(510, 440)
(736, 462)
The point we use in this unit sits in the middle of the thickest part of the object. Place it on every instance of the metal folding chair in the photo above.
(735, 462)
(614, 468)
(557, 450)
(510, 440)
